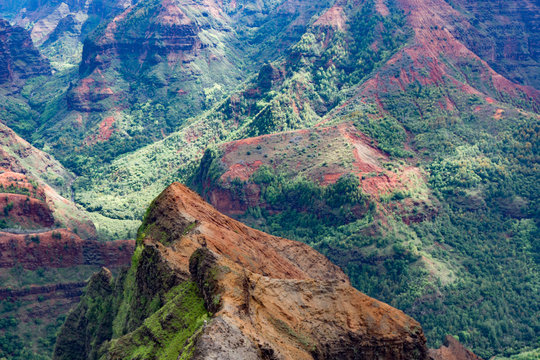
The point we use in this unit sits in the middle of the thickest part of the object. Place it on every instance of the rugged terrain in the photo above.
(262, 297)
(427, 196)
(234, 177)
(59, 28)
(48, 247)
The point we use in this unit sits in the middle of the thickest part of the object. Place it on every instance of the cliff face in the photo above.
(60, 249)
(170, 57)
(58, 28)
(47, 245)
(447, 51)
(32, 182)
(505, 34)
(263, 297)
(20, 59)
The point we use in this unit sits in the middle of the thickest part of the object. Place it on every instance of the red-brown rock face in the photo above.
(442, 36)
(279, 298)
(19, 58)
(26, 212)
(505, 34)
(322, 154)
(452, 350)
(31, 202)
(59, 249)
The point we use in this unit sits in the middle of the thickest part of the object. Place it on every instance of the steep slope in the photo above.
(246, 174)
(146, 71)
(505, 34)
(437, 58)
(47, 248)
(58, 28)
(409, 76)
(21, 62)
(19, 57)
(264, 298)
(26, 172)
(297, 93)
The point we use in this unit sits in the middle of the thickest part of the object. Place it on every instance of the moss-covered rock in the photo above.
(168, 333)
(90, 323)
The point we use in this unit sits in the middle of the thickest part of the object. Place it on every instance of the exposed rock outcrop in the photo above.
(505, 34)
(32, 181)
(60, 248)
(445, 48)
(24, 211)
(322, 155)
(452, 349)
(64, 290)
(267, 297)
(19, 58)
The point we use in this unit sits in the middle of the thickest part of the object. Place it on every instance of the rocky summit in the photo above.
(204, 286)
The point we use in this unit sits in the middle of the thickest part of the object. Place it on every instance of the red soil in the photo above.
(241, 171)
(280, 150)
(26, 212)
(381, 8)
(105, 128)
(61, 248)
(20, 181)
(331, 178)
(334, 17)
(430, 20)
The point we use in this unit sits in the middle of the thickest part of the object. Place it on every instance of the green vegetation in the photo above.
(12, 189)
(146, 312)
(479, 246)
(297, 197)
(8, 208)
(35, 339)
(527, 355)
(21, 340)
(465, 265)
(119, 184)
(14, 347)
(18, 277)
(169, 332)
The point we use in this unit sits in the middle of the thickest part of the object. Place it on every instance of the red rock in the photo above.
(59, 249)
(452, 350)
(279, 295)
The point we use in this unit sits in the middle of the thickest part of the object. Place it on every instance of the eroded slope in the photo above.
(266, 297)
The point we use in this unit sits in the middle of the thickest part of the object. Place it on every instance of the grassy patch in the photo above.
(169, 332)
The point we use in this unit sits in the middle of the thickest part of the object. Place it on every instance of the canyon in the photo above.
(396, 138)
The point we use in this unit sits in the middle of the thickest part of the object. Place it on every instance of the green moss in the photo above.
(168, 333)
(120, 320)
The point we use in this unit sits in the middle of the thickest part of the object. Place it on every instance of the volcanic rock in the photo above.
(268, 297)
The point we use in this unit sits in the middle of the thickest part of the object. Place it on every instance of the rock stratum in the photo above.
(20, 59)
(48, 246)
(204, 286)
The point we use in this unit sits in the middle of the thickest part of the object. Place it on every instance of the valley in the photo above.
(398, 138)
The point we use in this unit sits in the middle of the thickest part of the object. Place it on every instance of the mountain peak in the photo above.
(266, 297)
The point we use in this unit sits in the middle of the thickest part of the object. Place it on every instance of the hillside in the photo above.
(47, 248)
(59, 28)
(146, 70)
(230, 292)
(455, 119)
